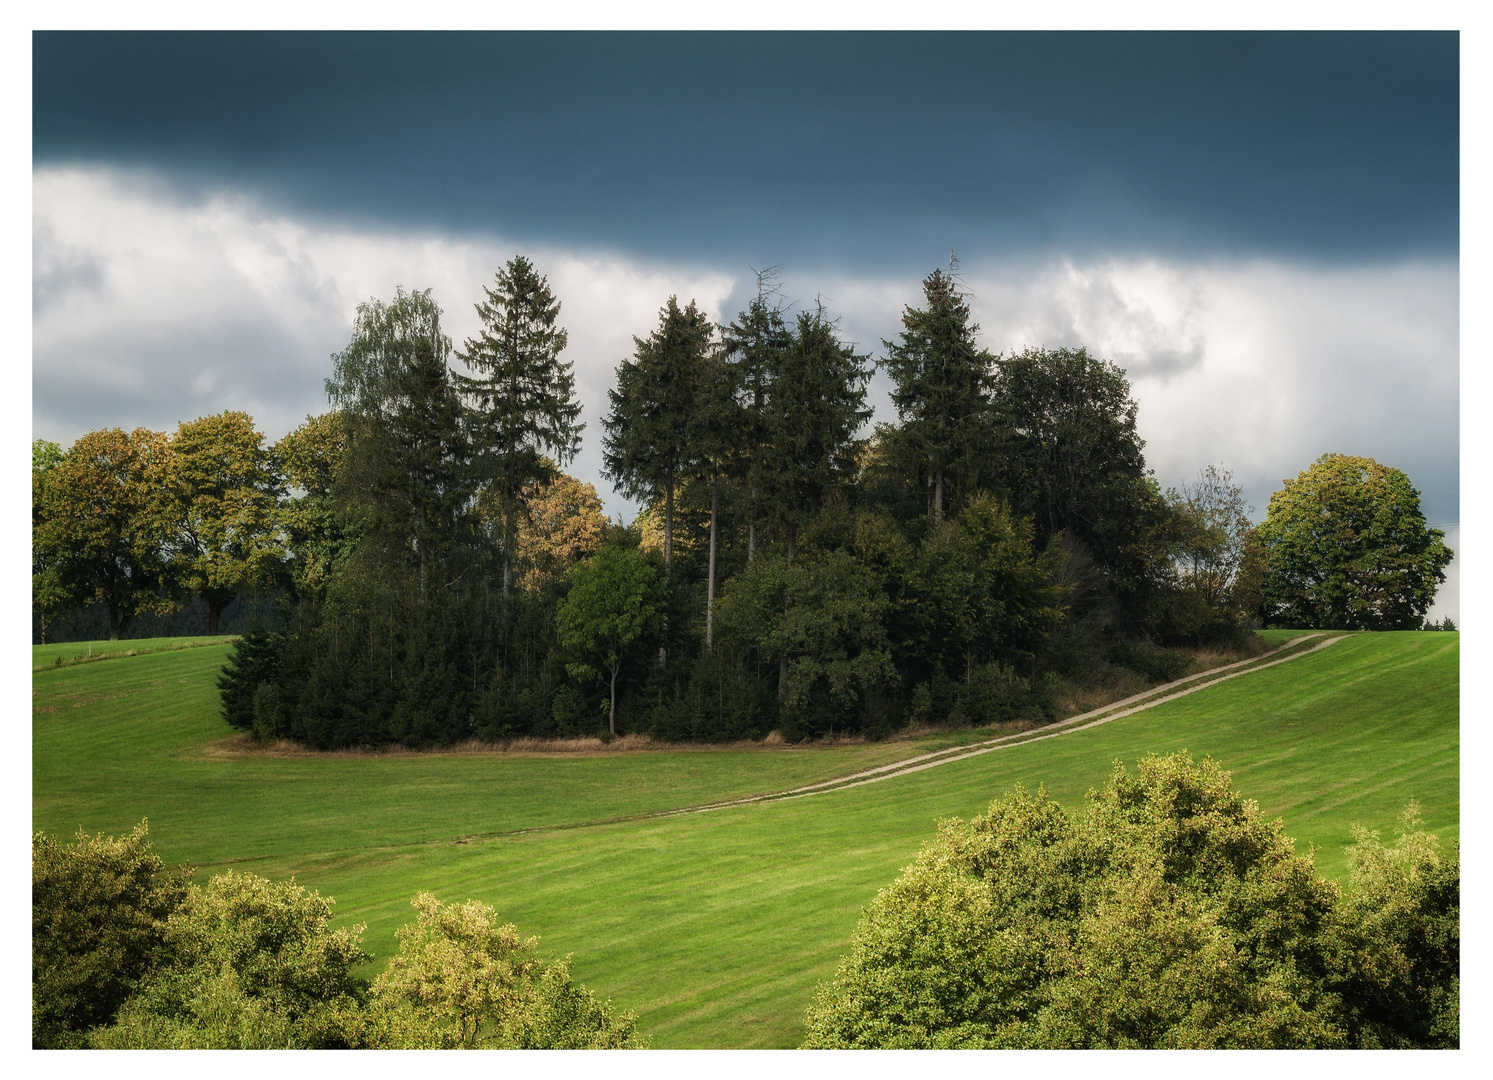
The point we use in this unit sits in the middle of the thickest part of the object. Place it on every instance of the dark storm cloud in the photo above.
(820, 149)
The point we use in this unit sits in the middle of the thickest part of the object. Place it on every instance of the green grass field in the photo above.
(713, 927)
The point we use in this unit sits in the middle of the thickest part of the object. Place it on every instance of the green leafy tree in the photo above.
(1170, 914)
(50, 598)
(407, 458)
(942, 386)
(99, 908)
(103, 523)
(318, 537)
(523, 395)
(1346, 547)
(615, 599)
(226, 496)
(1401, 973)
(646, 445)
(822, 620)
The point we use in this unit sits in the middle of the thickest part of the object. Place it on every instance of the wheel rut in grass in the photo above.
(1115, 710)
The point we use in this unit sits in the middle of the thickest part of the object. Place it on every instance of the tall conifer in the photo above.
(753, 345)
(522, 395)
(942, 389)
(646, 445)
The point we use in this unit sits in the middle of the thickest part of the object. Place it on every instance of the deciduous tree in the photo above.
(105, 523)
(562, 523)
(407, 457)
(1346, 547)
(226, 495)
(318, 537)
(99, 908)
(615, 599)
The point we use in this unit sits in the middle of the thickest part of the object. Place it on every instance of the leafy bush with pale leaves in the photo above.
(1169, 914)
(461, 979)
(98, 917)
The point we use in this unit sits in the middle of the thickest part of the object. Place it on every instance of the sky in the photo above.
(1261, 229)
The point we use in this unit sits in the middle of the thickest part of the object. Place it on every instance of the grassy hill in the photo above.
(714, 927)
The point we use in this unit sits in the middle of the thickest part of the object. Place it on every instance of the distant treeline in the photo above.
(441, 579)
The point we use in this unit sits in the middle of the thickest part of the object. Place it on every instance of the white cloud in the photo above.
(148, 311)
(151, 310)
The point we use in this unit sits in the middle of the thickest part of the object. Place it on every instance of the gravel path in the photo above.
(1115, 710)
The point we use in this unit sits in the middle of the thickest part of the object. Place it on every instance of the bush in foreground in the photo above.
(1169, 914)
(127, 956)
(98, 918)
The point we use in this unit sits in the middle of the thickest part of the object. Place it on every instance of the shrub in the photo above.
(1169, 914)
(246, 963)
(462, 980)
(98, 919)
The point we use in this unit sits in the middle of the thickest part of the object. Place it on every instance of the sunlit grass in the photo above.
(714, 927)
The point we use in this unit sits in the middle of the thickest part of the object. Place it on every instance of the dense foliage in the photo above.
(99, 910)
(128, 956)
(1346, 547)
(1169, 913)
(1002, 547)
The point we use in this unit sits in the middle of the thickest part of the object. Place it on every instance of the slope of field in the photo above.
(716, 926)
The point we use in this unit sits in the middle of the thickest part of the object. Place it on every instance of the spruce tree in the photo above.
(753, 344)
(813, 413)
(522, 397)
(646, 444)
(942, 389)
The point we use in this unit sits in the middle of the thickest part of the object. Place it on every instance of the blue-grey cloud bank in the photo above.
(810, 147)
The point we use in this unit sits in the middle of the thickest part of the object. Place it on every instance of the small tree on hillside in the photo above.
(1346, 547)
(615, 599)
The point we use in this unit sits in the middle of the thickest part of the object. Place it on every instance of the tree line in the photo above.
(441, 578)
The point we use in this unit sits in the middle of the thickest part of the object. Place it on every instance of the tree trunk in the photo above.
(751, 541)
(213, 614)
(792, 541)
(612, 717)
(938, 497)
(663, 649)
(116, 625)
(710, 577)
(420, 549)
(508, 531)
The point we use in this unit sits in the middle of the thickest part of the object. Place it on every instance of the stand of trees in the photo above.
(442, 579)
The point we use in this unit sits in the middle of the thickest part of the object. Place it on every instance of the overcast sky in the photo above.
(1261, 229)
